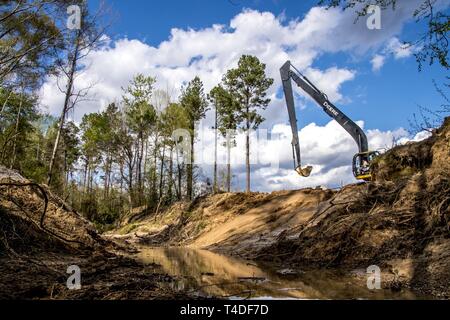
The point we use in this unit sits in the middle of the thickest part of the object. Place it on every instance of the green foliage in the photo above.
(21, 141)
(248, 85)
(96, 134)
(71, 144)
(227, 109)
(141, 119)
(122, 157)
(174, 117)
(29, 41)
(35, 42)
(67, 156)
(194, 101)
(141, 115)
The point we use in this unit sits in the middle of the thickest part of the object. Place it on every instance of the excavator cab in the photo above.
(362, 165)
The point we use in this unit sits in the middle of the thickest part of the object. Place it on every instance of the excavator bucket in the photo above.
(304, 172)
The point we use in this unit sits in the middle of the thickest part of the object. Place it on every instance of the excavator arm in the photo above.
(289, 95)
(289, 74)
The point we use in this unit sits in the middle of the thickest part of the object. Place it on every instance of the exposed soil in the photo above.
(36, 250)
(400, 222)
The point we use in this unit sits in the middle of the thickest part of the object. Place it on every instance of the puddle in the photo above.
(210, 274)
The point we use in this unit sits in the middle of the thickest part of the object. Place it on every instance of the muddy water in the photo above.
(210, 274)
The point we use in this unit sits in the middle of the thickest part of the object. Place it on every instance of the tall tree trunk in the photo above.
(16, 132)
(161, 171)
(121, 180)
(228, 163)
(66, 176)
(6, 101)
(169, 190)
(180, 175)
(109, 178)
(107, 174)
(88, 189)
(68, 94)
(179, 178)
(145, 159)
(91, 181)
(154, 173)
(215, 154)
(130, 186)
(247, 149)
(139, 169)
(190, 169)
(130, 163)
(86, 165)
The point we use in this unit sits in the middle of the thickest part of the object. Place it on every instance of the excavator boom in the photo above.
(289, 74)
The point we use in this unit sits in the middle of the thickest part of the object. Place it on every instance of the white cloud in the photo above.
(209, 52)
(331, 79)
(329, 149)
(386, 139)
(417, 137)
(393, 48)
(398, 49)
(377, 62)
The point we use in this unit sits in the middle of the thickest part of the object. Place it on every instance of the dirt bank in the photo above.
(36, 249)
(236, 223)
(400, 222)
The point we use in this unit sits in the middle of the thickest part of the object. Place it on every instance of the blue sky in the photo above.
(152, 20)
(368, 74)
(384, 100)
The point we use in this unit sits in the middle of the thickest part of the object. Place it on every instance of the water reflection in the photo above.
(211, 274)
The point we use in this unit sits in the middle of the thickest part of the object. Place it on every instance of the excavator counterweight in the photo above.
(361, 161)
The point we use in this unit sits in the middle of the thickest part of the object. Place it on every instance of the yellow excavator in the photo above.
(362, 161)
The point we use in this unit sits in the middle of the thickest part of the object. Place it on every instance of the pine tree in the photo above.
(227, 120)
(248, 84)
(141, 118)
(193, 100)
